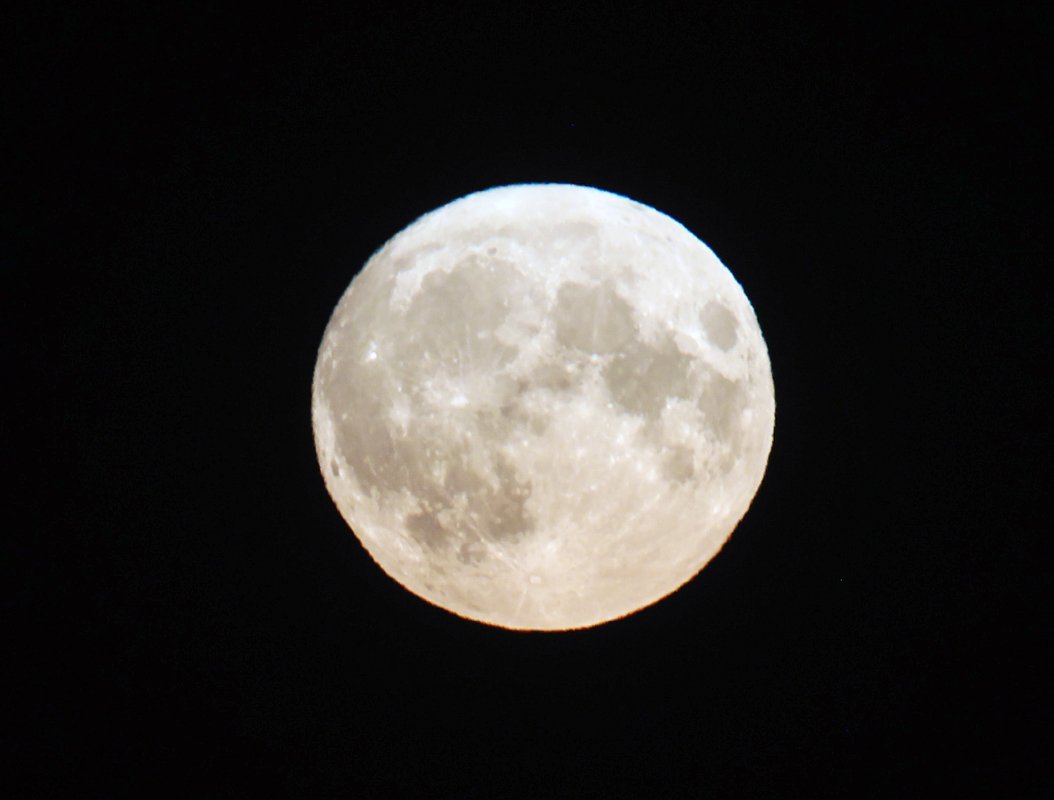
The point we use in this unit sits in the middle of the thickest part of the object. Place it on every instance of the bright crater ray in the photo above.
(543, 406)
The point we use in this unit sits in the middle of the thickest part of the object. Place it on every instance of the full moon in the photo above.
(543, 406)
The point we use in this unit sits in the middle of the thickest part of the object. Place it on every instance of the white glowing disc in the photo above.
(543, 406)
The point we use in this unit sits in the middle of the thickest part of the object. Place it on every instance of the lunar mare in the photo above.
(543, 406)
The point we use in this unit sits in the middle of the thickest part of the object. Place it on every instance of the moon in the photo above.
(543, 406)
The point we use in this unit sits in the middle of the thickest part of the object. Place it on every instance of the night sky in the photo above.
(194, 188)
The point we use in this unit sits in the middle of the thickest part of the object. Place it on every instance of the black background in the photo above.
(196, 187)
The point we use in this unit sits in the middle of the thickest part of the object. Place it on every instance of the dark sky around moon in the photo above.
(195, 187)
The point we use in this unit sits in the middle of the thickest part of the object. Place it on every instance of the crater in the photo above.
(720, 325)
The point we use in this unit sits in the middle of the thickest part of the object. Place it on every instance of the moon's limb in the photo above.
(543, 406)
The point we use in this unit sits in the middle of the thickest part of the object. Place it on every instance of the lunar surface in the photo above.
(543, 406)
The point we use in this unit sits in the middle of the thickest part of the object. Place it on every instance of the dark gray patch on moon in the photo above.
(476, 512)
(454, 316)
(425, 528)
(593, 319)
(720, 325)
(722, 402)
(642, 377)
(678, 464)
